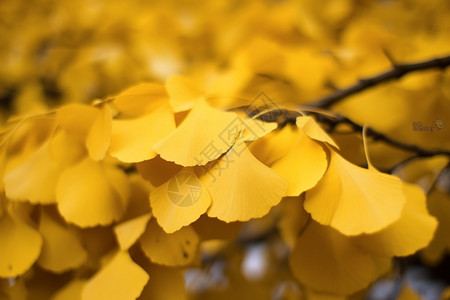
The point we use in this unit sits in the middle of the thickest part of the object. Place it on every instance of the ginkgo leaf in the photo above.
(407, 293)
(3, 163)
(204, 135)
(293, 219)
(35, 179)
(327, 261)
(413, 231)
(254, 129)
(132, 140)
(157, 170)
(273, 146)
(65, 150)
(166, 284)
(183, 93)
(314, 131)
(241, 187)
(98, 242)
(140, 99)
(127, 233)
(303, 166)
(20, 246)
(121, 278)
(90, 194)
(71, 291)
(439, 206)
(355, 200)
(62, 249)
(180, 201)
(170, 249)
(76, 119)
(139, 193)
(98, 139)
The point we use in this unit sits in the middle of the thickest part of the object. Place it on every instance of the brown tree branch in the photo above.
(396, 72)
(284, 117)
(332, 122)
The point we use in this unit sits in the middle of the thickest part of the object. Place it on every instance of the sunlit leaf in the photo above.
(20, 246)
(355, 200)
(242, 187)
(183, 93)
(140, 99)
(35, 179)
(132, 140)
(204, 135)
(120, 278)
(76, 119)
(413, 231)
(180, 201)
(314, 131)
(327, 261)
(62, 249)
(174, 249)
(127, 233)
(303, 165)
(90, 194)
(98, 139)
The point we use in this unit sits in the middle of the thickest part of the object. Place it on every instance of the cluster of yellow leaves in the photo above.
(133, 168)
(115, 200)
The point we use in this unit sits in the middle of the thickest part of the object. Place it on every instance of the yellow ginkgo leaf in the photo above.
(139, 193)
(183, 92)
(98, 242)
(439, 206)
(413, 231)
(3, 163)
(64, 150)
(132, 140)
(91, 193)
(355, 200)
(293, 219)
(174, 249)
(303, 165)
(242, 187)
(166, 284)
(127, 233)
(157, 170)
(203, 136)
(314, 131)
(327, 261)
(76, 119)
(20, 246)
(407, 293)
(254, 129)
(62, 249)
(121, 278)
(273, 146)
(98, 139)
(71, 291)
(13, 289)
(180, 201)
(140, 99)
(35, 179)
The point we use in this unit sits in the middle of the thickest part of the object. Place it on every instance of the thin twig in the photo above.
(376, 135)
(396, 72)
